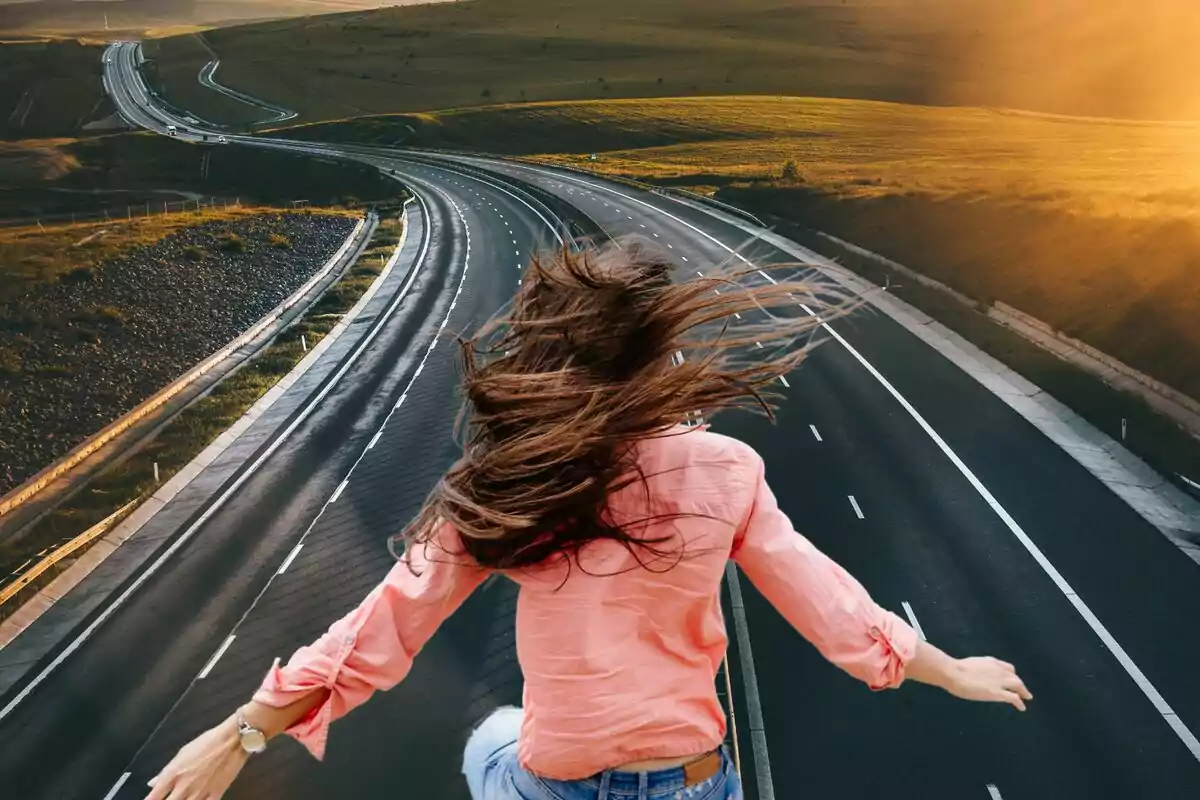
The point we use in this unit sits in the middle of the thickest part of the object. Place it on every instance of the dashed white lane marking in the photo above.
(1131, 669)
(518, 252)
(816, 433)
(631, 217)
(671, 246)
(758, 345)
(701, 274)
(338, 491)
(784, 381)
(212, 662)
(287, 562)
(685, 258)
(374, 439)
(993, 792)
(656, 236)
(857, 510)
(117, 786)
(912, 619)
(641, 225)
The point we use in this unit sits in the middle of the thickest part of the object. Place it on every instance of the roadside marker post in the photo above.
(156, 472)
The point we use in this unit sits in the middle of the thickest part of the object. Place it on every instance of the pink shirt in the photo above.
(620, 664)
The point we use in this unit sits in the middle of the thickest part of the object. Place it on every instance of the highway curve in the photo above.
(949, 506)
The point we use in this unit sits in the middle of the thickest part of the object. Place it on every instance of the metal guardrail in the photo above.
(65, 551)
(31, 487)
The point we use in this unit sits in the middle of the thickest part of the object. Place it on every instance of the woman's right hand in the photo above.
(987, 680)
(204, 768)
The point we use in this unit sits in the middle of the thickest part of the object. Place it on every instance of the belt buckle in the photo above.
(702, 769)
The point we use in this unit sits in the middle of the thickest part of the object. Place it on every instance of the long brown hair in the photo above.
(599, 350)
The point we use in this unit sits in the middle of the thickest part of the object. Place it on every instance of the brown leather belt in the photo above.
(702, 769)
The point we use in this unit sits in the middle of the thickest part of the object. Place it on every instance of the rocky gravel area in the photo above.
(77, 354)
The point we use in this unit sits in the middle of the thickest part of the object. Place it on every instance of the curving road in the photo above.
(952, 508)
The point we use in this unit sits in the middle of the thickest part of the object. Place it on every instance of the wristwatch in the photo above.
(252, 739)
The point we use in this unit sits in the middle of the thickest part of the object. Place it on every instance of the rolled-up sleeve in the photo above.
(372, 647)
(820, 599)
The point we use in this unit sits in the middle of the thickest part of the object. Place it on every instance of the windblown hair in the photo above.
(599, 350)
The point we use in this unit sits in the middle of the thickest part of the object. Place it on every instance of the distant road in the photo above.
(208, 78)
(950, 507)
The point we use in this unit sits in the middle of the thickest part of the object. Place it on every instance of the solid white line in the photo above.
(338, 491)
(287, 562)
(912, 619)
(784, 381)
(117, 786)
(817, 435)
(993, 792)
(212, 662)
(374, 439)
(1139, 678)
(1160, 704)
(216, 505)
(857, 510)
(1188, 481)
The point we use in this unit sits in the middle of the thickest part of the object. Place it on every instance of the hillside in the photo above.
(1119, 58)
(154, 17)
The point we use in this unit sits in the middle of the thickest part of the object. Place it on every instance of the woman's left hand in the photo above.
(204, 768)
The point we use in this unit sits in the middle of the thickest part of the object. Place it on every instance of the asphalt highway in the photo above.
(933, 526)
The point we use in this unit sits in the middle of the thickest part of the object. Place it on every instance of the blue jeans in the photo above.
(493, 773)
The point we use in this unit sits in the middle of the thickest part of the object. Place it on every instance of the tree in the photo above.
(791, 170)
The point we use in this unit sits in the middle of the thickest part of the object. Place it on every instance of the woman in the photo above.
(586, 480)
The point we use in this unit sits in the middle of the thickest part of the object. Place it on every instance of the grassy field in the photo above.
(841, 146)
(1069, 57)
(50, 89)
(198, 425)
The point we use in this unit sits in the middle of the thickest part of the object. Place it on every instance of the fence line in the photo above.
(129, 212)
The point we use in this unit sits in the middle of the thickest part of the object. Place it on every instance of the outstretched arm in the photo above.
(834, 612)
(369, 649)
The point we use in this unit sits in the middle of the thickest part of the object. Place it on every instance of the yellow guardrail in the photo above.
(65, 551)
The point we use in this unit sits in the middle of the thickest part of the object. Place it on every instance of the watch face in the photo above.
(253, 741)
